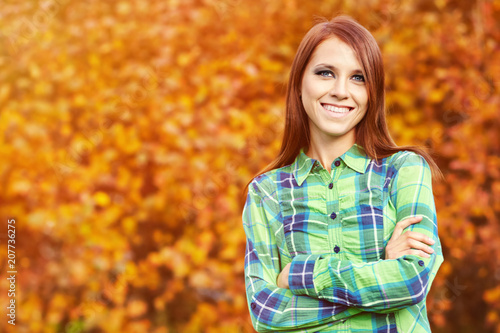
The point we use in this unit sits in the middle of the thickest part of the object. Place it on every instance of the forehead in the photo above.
(333, 51)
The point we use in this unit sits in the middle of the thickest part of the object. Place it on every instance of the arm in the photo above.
(273, 308)
(385, 285)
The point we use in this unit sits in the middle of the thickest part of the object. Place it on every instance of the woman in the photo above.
(341, 227)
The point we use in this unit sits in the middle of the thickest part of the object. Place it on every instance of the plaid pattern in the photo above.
(333, 229)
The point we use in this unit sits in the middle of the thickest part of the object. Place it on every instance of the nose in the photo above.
(339, 89)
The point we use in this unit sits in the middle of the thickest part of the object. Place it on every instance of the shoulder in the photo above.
(407, 158)
(267, 184)
(409, 168)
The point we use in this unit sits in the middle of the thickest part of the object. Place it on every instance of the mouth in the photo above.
(337, 110)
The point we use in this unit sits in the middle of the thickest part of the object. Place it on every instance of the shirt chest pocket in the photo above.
(362, 217)
(304, 227)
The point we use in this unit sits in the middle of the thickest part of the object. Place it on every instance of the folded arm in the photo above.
(385, 285)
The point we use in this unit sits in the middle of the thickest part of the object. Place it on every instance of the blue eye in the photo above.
(359, 78)
(325, 73)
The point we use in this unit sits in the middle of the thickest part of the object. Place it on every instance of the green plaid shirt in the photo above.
(333, 228)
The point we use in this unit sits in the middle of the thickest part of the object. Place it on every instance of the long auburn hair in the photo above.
(372, 132)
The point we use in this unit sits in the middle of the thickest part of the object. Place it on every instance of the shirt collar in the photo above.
(302, 166)
(355, 158)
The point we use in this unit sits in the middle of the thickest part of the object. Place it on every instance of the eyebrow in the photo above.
(333, 68)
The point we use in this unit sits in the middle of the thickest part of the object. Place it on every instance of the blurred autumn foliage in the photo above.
(129, 128)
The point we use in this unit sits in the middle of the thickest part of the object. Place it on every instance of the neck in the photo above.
(326, 148)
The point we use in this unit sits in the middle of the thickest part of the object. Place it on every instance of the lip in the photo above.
(339, 106)
(337, 114)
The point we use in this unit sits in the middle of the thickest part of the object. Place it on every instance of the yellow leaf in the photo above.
(101, 199)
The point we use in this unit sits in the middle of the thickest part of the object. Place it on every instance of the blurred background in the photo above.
(128, 129)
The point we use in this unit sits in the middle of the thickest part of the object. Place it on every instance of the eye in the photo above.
(325, 73)
(359, 78)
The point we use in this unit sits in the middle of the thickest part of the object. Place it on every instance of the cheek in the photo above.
(361, 97)
(304, 91)
(365, 99)
(310, 89)
(306, 97)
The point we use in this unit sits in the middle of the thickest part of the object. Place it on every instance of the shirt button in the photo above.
(421, 262)
(337, 163)
(333, 216)
(253, 306)
(336, 249)
(330, 186)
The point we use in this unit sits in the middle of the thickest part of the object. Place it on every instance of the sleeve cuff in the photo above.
(301, 276)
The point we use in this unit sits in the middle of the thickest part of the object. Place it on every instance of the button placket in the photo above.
(321, 172)
(337, 244)
(332, 209)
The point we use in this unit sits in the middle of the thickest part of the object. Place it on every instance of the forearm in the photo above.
(385, 285)
(278, 309)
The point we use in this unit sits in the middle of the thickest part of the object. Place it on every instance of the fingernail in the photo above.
(431, 241)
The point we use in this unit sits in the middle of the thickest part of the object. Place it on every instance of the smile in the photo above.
(337, 110)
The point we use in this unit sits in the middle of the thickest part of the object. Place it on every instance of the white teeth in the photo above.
(335, 109)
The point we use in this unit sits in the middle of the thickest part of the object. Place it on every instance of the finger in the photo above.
(419, 253)
(417, 245)
(399, 248)
(409, 240)
(399, 254)
(419, 237)
(414, 253)
(403, 224)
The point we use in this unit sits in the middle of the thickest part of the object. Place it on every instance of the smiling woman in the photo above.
(341, 228)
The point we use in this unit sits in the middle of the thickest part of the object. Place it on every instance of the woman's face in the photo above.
(333, 91)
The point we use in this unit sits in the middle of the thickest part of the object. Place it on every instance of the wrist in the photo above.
(301, 276)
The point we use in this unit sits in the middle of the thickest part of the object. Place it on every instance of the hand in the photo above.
(282, 280)
(411, 242)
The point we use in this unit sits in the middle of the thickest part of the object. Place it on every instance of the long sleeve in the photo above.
(273, 308)
(384, 285)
